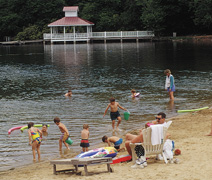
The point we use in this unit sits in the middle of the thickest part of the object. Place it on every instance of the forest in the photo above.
(29, 19)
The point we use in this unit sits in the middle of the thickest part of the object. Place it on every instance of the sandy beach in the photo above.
(188, 132)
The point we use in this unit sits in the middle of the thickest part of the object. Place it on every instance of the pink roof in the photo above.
(71, 21)
(70, 8)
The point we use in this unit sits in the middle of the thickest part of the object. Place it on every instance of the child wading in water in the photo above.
(35, 136)
(169, 85)
(114, 114)
(134, 94)
(85, 135)
(64, 131)
(69, 93)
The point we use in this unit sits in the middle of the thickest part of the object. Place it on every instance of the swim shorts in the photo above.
(64, 136)
(118, 143)
(114, 115)
(172, 89)
(84, 143)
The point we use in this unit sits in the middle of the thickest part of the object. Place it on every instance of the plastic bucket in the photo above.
(126, 115)
(69, 141)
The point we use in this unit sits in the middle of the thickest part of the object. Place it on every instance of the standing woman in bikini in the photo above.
(169, 85)
(35, 136)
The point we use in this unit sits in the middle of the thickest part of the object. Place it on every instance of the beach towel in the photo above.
(168, 149)
(157, 134)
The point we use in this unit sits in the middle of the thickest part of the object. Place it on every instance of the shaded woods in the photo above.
(28, 19)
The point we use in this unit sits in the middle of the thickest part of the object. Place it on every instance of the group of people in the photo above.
(35, 135)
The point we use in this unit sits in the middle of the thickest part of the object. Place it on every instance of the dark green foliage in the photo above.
(28, 19)
(17, 14)
(153, 15)
(202, 17)
(32, 33)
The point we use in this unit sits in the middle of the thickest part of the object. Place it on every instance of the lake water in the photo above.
(34, 79)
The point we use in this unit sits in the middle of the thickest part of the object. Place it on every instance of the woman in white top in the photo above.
(169, 85)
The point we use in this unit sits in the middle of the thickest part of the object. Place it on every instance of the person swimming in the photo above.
(44, 129)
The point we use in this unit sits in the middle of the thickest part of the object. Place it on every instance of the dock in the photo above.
(21, 42)
(98, 36)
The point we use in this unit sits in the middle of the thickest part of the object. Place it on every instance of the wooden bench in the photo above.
(85, 162)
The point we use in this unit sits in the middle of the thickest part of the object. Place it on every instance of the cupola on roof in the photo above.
(71, 18)
(71, 11)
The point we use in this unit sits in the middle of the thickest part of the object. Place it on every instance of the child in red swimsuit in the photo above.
(85, 135)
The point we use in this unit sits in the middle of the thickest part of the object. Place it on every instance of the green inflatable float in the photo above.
(191, 110)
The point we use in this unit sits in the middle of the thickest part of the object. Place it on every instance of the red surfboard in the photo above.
(122, 159)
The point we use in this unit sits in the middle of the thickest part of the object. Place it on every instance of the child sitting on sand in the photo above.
(85, 135)
(64, 131)
(114, 113)
(35, 136)
(115, 140)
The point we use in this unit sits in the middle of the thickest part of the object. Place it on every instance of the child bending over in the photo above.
(115, 140)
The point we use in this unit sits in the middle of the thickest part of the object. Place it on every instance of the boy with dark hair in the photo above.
(69, 93)
(114, 113)
(115, 140)
(64, 131)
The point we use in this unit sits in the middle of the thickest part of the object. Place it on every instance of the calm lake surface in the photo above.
(34, 79)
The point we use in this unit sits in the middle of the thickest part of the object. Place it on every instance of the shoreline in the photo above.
(188, 132)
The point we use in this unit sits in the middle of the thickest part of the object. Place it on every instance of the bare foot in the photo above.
(209, 134)
(117, 129)
(122, 149)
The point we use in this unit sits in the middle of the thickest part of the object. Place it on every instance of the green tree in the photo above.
(111, 15)
(153, 15)
(178, 17)
(16, 14)
(202, 14)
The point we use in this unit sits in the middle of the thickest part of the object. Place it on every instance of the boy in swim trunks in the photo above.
(84, 138)
(64, 131)
(115, 140)
(35, 136)
(114, 113)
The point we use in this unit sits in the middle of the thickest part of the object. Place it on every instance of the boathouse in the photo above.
(72, 28)
(68, 27)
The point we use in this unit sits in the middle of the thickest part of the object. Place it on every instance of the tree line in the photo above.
(29, 19)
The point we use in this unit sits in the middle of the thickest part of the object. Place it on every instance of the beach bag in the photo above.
(139, 151)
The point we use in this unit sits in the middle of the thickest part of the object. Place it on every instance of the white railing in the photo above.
(96, 35)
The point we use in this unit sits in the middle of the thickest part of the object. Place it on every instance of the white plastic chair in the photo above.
(149, 149)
